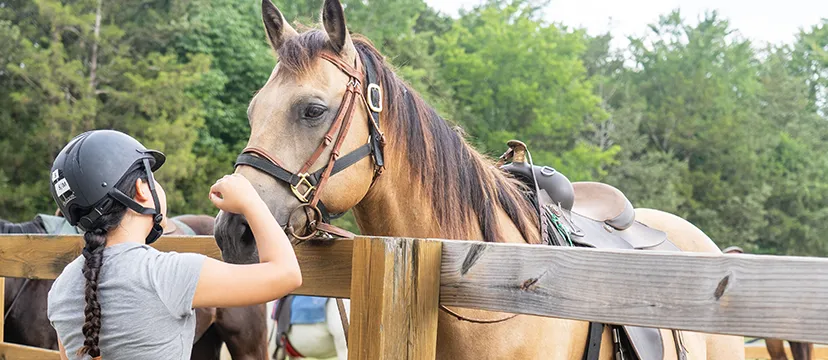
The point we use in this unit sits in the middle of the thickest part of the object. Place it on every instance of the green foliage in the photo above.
(700, 92)
(715, 131)
(51, 94)
(810, 61)
(690, 118)
(514, 76)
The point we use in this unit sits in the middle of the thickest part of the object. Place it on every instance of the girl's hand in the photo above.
(234, 193)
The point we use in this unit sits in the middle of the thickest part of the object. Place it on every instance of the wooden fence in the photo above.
(396, 284)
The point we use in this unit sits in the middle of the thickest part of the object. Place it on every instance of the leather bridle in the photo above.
(306, 186)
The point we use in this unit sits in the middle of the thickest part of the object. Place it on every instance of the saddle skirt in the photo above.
(602, 217)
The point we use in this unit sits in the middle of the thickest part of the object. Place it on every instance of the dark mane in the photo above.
(455, 176)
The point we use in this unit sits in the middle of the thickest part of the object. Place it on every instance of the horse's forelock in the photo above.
(296, 55)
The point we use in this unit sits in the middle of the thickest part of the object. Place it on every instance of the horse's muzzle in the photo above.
(235, 239)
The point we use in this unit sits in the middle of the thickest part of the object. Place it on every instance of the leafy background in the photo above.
(691, 118)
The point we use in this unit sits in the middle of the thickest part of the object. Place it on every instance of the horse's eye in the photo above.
(314, 111)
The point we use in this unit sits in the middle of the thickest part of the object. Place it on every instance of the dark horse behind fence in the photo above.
(25, 303)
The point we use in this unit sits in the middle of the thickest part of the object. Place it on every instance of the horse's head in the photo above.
(310, 112)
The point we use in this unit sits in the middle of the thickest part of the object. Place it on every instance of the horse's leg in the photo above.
(208, 347)
(244, 330)
(801, 350)
(335, 326)
(205, 317)
(776, 349)
(690, 238)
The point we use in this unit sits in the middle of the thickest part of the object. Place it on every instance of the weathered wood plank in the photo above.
(393, 299)
(192, 244)
(45, 256)
(326, 265)
(761, 296)
(20, 352)
(424, 292)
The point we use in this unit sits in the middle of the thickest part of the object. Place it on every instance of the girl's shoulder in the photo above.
(70, 278)
(72, 272)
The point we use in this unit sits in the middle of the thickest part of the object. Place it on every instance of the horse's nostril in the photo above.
(245, 231)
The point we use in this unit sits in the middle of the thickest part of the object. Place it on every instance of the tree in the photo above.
(810, 61)
(796, 167)
(637, 167)
(63, 72)
(687, 121)
(514, 76)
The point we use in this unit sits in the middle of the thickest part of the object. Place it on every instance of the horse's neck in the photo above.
(397, 206)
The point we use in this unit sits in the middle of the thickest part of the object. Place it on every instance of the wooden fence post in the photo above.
(395, 291)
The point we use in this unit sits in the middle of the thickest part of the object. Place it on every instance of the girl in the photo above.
(122, 299)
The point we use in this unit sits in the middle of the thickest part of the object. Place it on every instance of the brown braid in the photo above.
(95, 240)
(93, 252)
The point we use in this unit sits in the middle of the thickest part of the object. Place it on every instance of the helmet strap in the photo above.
(157, 229)
(157, 217)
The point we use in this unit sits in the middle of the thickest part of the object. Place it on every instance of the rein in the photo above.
(14, 300)
(476, 321)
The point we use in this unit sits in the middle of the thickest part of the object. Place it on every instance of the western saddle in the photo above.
(597, 215)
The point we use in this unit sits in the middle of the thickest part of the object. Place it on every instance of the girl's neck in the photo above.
(132, 229)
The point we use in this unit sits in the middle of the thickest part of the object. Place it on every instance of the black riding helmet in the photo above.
(86, 171)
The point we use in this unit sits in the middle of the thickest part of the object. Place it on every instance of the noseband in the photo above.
(306, 186)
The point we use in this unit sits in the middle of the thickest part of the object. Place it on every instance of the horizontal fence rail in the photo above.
(15, 352)
(762, 296)
(326, 265)
(751, 295)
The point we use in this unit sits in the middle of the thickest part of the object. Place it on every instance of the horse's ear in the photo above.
(277, 28)
(333, 17)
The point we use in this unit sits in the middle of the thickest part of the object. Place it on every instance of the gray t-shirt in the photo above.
(146, 301)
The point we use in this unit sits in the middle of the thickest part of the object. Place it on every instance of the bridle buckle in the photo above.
(371, 89)
(303, 180)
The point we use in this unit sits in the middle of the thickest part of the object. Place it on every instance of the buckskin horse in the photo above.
(335, 129)
(25, 301)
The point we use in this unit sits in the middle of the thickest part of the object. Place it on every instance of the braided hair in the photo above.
(95, 241)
